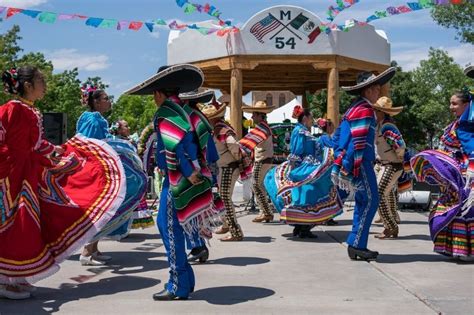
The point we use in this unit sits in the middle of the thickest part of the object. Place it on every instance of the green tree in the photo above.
(63, 89)
(403, 90)
(432, 86)
(319, 100)
(460, 17)
(138, 111)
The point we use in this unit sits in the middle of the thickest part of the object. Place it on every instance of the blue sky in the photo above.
(123, 58)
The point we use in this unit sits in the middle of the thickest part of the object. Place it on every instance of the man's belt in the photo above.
(395, 165)
(266, 161)
(232, 165)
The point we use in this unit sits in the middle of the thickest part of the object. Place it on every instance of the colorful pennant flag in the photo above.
(341, 6)
(47, 17)
(96, 22)
(207, 8)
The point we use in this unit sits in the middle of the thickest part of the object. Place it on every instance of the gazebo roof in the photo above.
(274, 55)
(281, 48)
(361, 42)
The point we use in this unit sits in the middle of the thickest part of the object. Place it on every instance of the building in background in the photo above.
(273, 98)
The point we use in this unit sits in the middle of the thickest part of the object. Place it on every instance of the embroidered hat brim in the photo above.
(380, 79)
(204, 96)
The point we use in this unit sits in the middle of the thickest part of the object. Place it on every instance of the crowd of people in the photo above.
(55, 200)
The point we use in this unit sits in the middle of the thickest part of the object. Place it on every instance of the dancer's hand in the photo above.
(195, 178)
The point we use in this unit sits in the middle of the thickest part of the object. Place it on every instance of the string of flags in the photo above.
(223, 28)
(341, 6)
(97, 22)
(206, 8)
(389, 11)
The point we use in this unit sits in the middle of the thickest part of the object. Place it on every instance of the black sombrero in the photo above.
(200, 95)
(366, 79)
(184, 78)
(469, 71)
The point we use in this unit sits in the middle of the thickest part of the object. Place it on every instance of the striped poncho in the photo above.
(257, 135)
(191, 201)
(391, 134)
(222, 131)
(360, 117)
(200, 126)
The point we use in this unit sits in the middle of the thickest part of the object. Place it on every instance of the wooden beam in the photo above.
(236, 101)
(360, 65)
(333, 96)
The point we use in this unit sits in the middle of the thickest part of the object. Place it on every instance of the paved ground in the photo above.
(268, 273)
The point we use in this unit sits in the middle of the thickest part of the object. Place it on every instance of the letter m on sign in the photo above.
(286, 14)
(264, 26)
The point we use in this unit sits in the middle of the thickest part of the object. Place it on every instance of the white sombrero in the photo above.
(259, 107)
(366, 79)
(184, 78)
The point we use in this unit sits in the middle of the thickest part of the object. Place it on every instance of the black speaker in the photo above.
(55, 127)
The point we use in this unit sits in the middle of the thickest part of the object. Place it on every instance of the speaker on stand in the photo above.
(55, 127)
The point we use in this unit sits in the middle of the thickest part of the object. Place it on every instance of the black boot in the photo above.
(199, 253)
(165, 295)
(296, 230)
(363, 254)
(305, 232)
(331, 222)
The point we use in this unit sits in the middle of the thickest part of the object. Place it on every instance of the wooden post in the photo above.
(333, 96)
(236, 101)
(385, 90)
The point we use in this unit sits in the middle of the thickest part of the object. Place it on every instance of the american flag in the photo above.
(265, 26)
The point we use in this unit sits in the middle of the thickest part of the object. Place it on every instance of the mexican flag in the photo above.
(304, 25)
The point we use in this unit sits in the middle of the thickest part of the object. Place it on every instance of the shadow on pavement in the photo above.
(420, 237)
(409, 258)
(140, 237)
(125, 263)
(290, 237)
(340, 222)
(231, 295)
(258, 239)
(238, 261)
(48, 301)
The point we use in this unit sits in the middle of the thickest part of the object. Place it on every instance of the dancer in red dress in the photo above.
(53, 199)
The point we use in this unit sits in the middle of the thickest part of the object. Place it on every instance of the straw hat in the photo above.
(213, 111)
(469, 71)
(200, 95)
(259, 107)
(366, 79)
(385, 104)
(184, 78)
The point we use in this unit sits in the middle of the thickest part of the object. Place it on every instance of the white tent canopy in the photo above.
(282, 113)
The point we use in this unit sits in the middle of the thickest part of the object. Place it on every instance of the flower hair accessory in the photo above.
(86, 91)
(297, 111)
(10, 81)
(114, 128)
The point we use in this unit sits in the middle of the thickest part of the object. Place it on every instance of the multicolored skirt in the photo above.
(136, 180)
(304, 194)
(50, 220)
(452, 219)
(142, 217)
